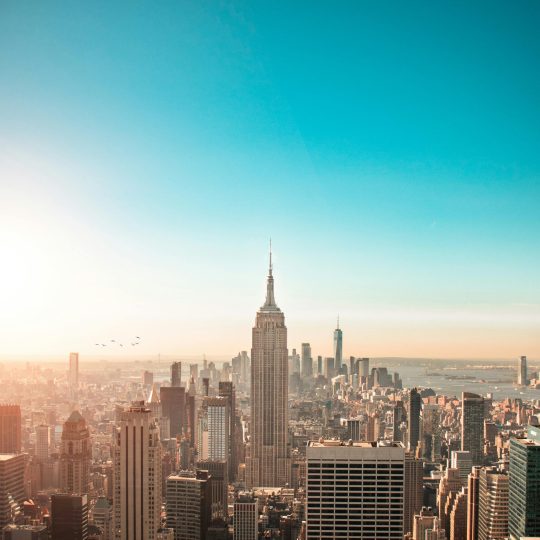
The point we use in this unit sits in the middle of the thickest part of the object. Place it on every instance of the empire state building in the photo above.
(268, 461)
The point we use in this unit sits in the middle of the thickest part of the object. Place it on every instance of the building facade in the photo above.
(75, 455)
(269, 462)
(355, 490)
(137, 475)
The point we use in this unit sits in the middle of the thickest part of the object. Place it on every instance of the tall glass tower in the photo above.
(524, 508)
(338, 348)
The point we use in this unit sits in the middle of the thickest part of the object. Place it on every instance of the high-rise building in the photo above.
(422, 522)
(462, 461)
(226, 390)
(458, 517)
(137, 475)
(354, 490)
(176, 374)
(219, 482)
(338, 347)
(522, 378)
(74, 370)
(329, 367)
(246, 517)
(218, 427)
(307, 360)
(524, 505)
(43, 442)
(188, 504)
(473, 489)
(173, 407)
(415, 408)
(269, 462)
(413, 495)
(398, 417)
(69, 517)
(11, 486)
(363, 367)
(147, 378)
(492, 504)
(449, 486)
(75, 456)
(472, 426)
(10, 429)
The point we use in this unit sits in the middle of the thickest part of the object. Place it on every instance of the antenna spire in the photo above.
(270, 265)
(338, 321)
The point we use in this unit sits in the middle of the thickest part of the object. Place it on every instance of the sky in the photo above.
(149, 150)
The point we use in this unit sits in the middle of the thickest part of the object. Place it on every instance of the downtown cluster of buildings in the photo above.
(270, 445)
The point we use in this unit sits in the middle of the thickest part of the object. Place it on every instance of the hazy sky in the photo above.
(148, 150)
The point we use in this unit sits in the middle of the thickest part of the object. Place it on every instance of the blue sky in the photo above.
(391, 150)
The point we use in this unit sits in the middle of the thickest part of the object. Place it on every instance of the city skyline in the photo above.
(398, 159)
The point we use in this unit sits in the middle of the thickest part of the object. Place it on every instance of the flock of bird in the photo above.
(113, 341)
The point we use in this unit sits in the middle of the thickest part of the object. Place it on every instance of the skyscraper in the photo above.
(226, 390)
(415, 407)
(75, 455)
(218, 428)
(269, 462)
(338, 347)
(74, 370)
(69, 517)
(354, 490)
(473, 488)
(137, 475)
(10, 429)
(246, 517)
(524, 508)
(307, 361)
(472, 426)
(173, 407)
(11, 484)
(492, 504)
(176, 374)
(522, 378)
(412, 501)
(43, 442)
(188, 504)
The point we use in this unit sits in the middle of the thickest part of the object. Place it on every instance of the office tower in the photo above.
(102, 517)
(524, 508)
(43, 442)
(269, 462)
(147, 378)
(399, 416)
(219, 481)
(458, 517)
(423, 521)
(522, 376)
(10, 429)
(176, 374)
(11, 485)
(75, 455)
(472, 426)
(473, 489)
(74, 370)
(354, 427)
(218, 427)
(492, 504)
(329, 367)
(188, 505)
(246, 517)
(137, 475)
(431, 432)
(165, 534)
(363, 367)
(415, 407)
(319, 365)
(436, 533)
(69, 517)
(449, 485)
(194, 371)
(226, 390)
(414, 489)
(338, 347)
(173, 407)
(462, 461)
(307, 361)
(364, 483)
